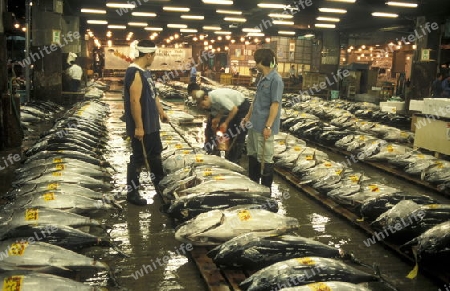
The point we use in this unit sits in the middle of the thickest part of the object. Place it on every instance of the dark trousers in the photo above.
(153, 149)
(75, 85)
(238, 133)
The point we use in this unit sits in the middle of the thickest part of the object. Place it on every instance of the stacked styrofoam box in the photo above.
(392, 106)
(416, 105)
(437, 106)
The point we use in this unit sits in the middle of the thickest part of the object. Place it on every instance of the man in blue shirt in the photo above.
(142, 113)
(193, 74)
(264, 115)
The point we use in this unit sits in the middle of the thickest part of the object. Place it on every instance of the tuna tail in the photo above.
(115, 247)
(351, 257)
(383, 280)
(213, 253)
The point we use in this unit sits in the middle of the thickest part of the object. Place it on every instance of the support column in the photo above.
(330, 55)
(423, 72)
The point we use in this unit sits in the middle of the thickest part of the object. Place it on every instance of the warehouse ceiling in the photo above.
(358, 18)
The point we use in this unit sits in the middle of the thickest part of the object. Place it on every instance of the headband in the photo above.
(135, 49)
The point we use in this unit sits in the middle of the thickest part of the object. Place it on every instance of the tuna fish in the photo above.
(255, 251)
(188, 207)
(32, 281)
(302, 271)
(217, 226)
(26, 255)
(178, 161)
(330, 286)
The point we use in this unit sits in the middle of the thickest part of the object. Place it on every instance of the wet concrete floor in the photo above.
(146, 234)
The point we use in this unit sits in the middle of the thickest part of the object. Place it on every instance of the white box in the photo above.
(437, 106)
(416, 105)
(399, 105)
(389, 109)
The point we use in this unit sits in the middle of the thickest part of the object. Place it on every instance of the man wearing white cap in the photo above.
(142, 113)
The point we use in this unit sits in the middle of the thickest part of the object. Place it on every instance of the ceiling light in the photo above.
(309, 35)
(143, 24)
(222, 32)
(268, 39)
(145, 14)
(235, 19)
(176, 9)
(251, 30)
(228, 37)
(193, 30)
(172, 25)
(271, 5)
(95, 11)
(382, 14)
(402, 4)
(219, 38)
(120, 5)
(193, 17)
(279, 15)
(220, 2)
(282, 22)
(154, 28)
(247, 42)
(255, 34)
(286, 32)
(235, 12)
(332, 10)
(332, 19)
(325, 25)
(97, 22)
(114, 26)
(212, 28)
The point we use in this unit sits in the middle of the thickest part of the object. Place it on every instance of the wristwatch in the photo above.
(268, 127)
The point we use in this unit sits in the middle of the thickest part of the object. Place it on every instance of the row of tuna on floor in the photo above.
(49, 219)
(216, 204)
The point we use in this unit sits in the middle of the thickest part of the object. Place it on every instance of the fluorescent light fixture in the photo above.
(120, 5)
(193, 30)
(309, 35)
(115, 26)
(402, 4)
(271, 5)
(325, 25)
(212, 28)
(144, 14)
(94, 11)
(286, 32)
(383, 14)
(176, 9)
(97, 22)
(255, 34)
(234, 12)
(251, 30)
(344, 1)
(235, 19)
(193, 17)
(154, 28)
(220, 2)
(331, 19)
(332, 10)
(173, 25)
(280, 15)
(283, 22)
(143, 24)
(222, 32)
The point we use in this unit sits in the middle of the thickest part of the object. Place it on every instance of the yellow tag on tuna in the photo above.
(219, 178)
(207, 173)
(57, 161)
(374, 188)
(60, 167)
(319, 287)
(17, 249)
(199, 159)
(244, 215)
(13, 283)
(354, 178)
(306, 261)
(178, 146)
(297, 148)
(57, 174)
(52, 186)
(49, 196)
(31, 214)
(309, 158)
(390, 148)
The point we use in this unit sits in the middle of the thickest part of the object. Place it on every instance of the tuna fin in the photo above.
(415, 270)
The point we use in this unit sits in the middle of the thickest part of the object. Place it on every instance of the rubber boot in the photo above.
(267, 176)
(235, 153)
(133, 195)
(254, 169)
(155, 163)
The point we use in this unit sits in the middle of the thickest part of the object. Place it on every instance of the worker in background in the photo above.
(264, 116)
(436, 87)
(292, 76)
(193, 74)
(74, 73)
(446, 87)
(143, 112)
